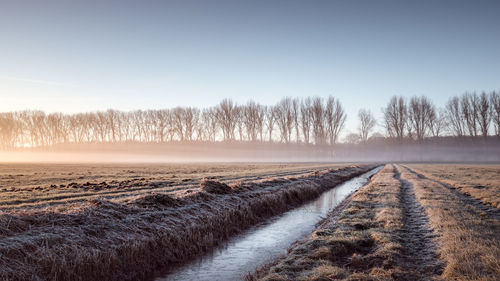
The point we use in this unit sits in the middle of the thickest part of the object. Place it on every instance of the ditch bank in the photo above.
(366, 241)
(100, 239)
(266, 241)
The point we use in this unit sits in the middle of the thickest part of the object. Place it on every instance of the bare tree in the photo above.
(7, 130)
(226, 115)
(163, 125)
(420, 111)
(191, 118)
(269, 120)
(335, 119)
(484, 114)
(251, 119)
(395, 117)
(296, 117)
(437, 122)
(495, 110)
(284, 118)
(306, 118)
(318, 120)
(366, 123)
(209, 119)
(178, 122)
(470, 112)
(454, 116)
(353, 138)
(261, 115)
(240, 125)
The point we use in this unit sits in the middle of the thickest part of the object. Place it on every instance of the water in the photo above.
(264, 242)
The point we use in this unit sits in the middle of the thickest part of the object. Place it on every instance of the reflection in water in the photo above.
(264, 242)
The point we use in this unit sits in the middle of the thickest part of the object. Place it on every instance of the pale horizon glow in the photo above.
(68, 56)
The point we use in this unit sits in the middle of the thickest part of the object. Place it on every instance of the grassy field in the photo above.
(468, 233)
(127, 231)
(404, 225)
(41, 185)
(123, 222)
(479, 181)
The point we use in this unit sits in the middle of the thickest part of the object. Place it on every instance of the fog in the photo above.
(441, 150)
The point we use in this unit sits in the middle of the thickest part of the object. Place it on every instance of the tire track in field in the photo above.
(477, 204)
(419, 250)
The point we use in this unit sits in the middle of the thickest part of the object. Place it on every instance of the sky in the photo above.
(76, 56)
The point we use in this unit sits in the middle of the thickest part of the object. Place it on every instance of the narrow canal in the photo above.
(266, 241)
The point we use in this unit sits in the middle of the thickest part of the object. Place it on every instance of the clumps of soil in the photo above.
(215, 187)
(87, 185)
(156, 200)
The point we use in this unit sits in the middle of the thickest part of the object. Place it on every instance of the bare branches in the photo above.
(437, 122)
(470, 112)
(318, 116)
(454, 116)
(495, 110)
(366, 124)
(335, 119)
(396, 117)
(315, 120)
(284, 119)
(226, 116)
(269, 121)
(484, 114)
(306, 118)
(420, 111)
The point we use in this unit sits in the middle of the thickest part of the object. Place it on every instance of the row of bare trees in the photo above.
(307, 120)
(470, 114)
(292, 120)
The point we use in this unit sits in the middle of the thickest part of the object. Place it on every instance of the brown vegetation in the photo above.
(215, 187)
(40, 185)
(468, 237)
(128, 239)
(478, 181)
(373, 239)
(404, 226)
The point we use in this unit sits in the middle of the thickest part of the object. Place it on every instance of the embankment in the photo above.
(374, 238)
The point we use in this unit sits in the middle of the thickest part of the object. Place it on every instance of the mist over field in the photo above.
(285, 140)
(308, 129)
(445, 151)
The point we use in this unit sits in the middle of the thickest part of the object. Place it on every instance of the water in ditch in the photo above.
(264, 242)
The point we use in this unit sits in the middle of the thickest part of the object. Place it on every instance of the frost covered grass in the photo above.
(469, 241)
(479, 181)
(403, 225)
(39, 185)
(130, 238)
(381, 234)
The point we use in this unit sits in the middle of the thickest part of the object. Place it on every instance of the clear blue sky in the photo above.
(73, 56)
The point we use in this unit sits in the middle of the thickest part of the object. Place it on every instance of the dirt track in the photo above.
(466, 199)
(401, 226)
(419, 249)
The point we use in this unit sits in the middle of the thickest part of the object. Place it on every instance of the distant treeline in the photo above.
(310, 120)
